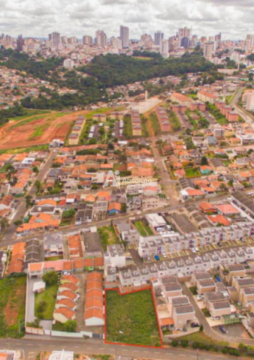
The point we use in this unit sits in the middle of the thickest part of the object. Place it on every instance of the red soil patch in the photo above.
(11, 311)
(19, 136)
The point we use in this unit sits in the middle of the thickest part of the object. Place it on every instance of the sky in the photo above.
(234, 18)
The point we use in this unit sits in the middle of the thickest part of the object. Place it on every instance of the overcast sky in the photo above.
(234, 18)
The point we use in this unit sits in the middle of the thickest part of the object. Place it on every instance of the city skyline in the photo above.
(202, 16)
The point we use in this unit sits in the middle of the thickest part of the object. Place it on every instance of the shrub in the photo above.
(195, 345)
(224, 350)
(174, 343)
(184, 343)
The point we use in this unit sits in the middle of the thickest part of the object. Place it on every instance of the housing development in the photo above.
(126, 197)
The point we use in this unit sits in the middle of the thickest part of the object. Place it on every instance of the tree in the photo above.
(10, 171)
(50, 278)
(204, 160)
(28, 201)
(35, 169)
(70, 326)
(38, 186)
(18, 222)
(3, 223)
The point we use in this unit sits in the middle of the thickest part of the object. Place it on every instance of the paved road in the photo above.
(166, 182)
(207, 329)
(21, 210)
(237, 96)
(36, 345)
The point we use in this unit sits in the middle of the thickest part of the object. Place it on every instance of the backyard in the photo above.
(107, 236)
(45, 302)
(192, 172)
(142, 228)
(12, 306)
(131, 318)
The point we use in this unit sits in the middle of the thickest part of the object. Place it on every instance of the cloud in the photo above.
(77, 18)
(236, 3)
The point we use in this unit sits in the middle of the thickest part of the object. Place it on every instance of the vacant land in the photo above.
(45, 303)
(142, 228)
(192, 172)
(155, 123)
(107, 236)
(202, 338)
(37, 129)
(12, 306)
(174, 121)
(131, 318)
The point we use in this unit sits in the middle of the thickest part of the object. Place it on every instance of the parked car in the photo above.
(222, 329)
(200, 297)
(194, 325)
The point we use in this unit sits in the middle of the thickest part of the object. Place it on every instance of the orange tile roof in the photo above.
(94, 302)
(66, 312)
(219, 219)
(36, 266)
(68, 294)
(88, 262)
(207, 207)
(227, 209)
(93, 312)
(67, 302)
(69, 286)
(114, 206)
(194, 192)
(94, 293)
(167, 322)
(94, 276)
(93, 284)
(67, 265)
(47, 202)
(98, 261)
(70, 278)
(78, 263)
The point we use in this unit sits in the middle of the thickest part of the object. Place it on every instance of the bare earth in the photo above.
(20, 136)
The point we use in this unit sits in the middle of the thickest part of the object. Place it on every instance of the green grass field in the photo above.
(191, 172)
(48, 297)
(131, 318)
(12, 306)
(142, 228)
(50, 116)
(98, 111)
(201, 338)
(155, 123)
(107, 236)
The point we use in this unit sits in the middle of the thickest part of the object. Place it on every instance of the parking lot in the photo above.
(234, 330)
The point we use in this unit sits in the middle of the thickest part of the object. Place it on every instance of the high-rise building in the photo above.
(20, 43)
(87, 40)
(250, 101)
(55, 39)
(184, 32)
(208, 50)
(217, 41)
(101, 38)
(116, 43)
(185, 42)
(158, 37)
(249, 42)
(124, 36)
(164, 48)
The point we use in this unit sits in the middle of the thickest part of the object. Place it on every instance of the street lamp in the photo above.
(197, 354)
